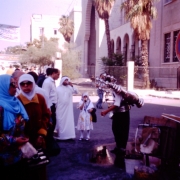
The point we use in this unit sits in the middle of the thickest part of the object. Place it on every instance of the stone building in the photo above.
(45, 26)
(91, 39)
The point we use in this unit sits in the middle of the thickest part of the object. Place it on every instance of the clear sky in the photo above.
(19, 12)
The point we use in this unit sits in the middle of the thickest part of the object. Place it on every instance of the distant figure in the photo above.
(2, 70)
(32, 68)
(84, 121)
(42, 77)
(64, 110)
(17, 68)
(10, 70)
(26, 70)
(100, 93)
(16, 75)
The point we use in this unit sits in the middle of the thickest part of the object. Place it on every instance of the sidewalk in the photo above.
(141, 92)
(161, 94)
(86, 85)
(76, 159)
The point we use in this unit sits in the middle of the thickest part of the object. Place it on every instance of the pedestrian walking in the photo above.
(100, 94)
(85, 120)
(64, 110)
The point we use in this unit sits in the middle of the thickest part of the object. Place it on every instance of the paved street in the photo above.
(74, 161)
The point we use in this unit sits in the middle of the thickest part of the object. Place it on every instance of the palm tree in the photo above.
(66, 27)
(140, 14)
(103, 7)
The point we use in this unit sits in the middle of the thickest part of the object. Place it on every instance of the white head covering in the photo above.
(85, 94)
(27, 77)
(63, 79)
(88, 104)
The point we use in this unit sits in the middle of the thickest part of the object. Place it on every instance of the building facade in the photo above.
(45, 26)
(163, 59)
(90, 38)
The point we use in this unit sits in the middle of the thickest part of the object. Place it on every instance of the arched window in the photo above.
(112, 46)
(118, 45)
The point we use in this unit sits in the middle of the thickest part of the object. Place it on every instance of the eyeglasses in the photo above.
(13, 84)
(25, 83)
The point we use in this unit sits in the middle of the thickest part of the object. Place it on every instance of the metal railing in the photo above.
(160, 77)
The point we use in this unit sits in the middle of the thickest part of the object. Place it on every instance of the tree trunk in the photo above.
(144, 56)
(106, 21)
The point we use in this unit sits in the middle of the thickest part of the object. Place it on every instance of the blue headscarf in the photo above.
(11, 105)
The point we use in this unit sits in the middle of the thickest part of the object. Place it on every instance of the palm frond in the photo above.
(140, 13)
(103, 7)
(66, 27)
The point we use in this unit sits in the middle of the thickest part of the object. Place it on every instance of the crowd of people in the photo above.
(34, 110)
(9, 69)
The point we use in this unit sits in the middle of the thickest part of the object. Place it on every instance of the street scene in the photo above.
(74, 161)
(90, 89)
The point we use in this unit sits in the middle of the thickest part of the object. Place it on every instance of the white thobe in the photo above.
(64, 113)
(44, 94)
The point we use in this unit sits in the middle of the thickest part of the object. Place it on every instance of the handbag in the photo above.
(149, 140)
(93, 115)
(40, 159)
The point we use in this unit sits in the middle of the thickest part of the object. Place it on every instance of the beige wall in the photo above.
(49, 24)
(167, 21)
(76, 16)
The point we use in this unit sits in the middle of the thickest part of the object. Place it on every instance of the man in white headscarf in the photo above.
(64, 110)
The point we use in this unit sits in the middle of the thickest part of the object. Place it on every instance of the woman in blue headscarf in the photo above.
(12, 120)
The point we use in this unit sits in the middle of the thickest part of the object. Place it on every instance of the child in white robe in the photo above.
(85, 121)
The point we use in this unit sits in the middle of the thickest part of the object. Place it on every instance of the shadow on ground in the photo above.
(74, 162)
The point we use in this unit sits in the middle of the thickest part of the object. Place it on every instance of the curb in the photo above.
(160, 94)
(176, 98)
